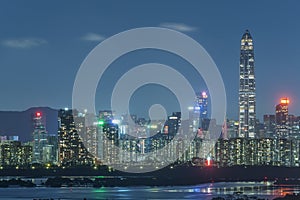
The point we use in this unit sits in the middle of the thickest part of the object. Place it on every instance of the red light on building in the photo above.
(284, 100)
(208, 161)
(38, 114)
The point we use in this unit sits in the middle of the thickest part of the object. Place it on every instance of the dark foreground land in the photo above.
(245, 197)
(289, 197)
(168, 176)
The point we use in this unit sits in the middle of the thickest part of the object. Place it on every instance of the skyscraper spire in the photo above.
(247, 96)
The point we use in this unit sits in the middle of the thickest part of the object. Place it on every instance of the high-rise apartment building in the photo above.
(72, 151)
(13, 153)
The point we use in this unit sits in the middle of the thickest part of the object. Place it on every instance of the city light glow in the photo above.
(208, 161)
(100, 122)
(116, 121)
(197, 107)
(284, 100)
(153, 126)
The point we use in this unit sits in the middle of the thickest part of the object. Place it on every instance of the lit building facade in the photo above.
(257, 152)
(295, 152)
(232, 128)
(108, 138)
(265, 151)
(247, 95)
(51, 151)
(40, 139)
(110, 143)
(282, 119)
(91, 139)
(72, 151)
(172, 125)
(202, 104)
(294, 125)
(269, 125)
(13, 153)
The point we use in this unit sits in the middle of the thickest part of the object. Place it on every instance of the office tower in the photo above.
(232, 128)
(260, 129)
(197, 113)
(269, 125)
(202, 104)
(193, 119)
(294, 126)
(172, 125)
(72, 152)
(247, 97)
(40, 140)
(200, 108)
(282, 118)
(50, 152)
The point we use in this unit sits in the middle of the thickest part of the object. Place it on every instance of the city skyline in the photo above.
(275, 141)
(149, 99)
(45, 55)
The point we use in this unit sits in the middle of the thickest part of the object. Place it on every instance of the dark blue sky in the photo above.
(42, 44)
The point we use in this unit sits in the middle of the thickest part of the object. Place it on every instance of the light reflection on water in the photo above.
(203, 191)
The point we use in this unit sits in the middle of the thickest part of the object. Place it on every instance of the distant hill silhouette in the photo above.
(20, 123)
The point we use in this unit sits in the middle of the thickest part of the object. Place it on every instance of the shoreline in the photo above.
(175, 176)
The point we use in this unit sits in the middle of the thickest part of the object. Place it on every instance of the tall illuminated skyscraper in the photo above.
(282, 118)
(201, 104)
(247, 96)
(40, 140)
(200, 108)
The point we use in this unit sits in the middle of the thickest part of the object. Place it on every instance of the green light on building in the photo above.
(100, 122)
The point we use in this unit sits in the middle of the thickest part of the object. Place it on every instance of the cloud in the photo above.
(93, 37)
(178, 27)
(24, 43)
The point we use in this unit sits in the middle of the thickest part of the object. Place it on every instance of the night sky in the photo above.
(43, 43)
